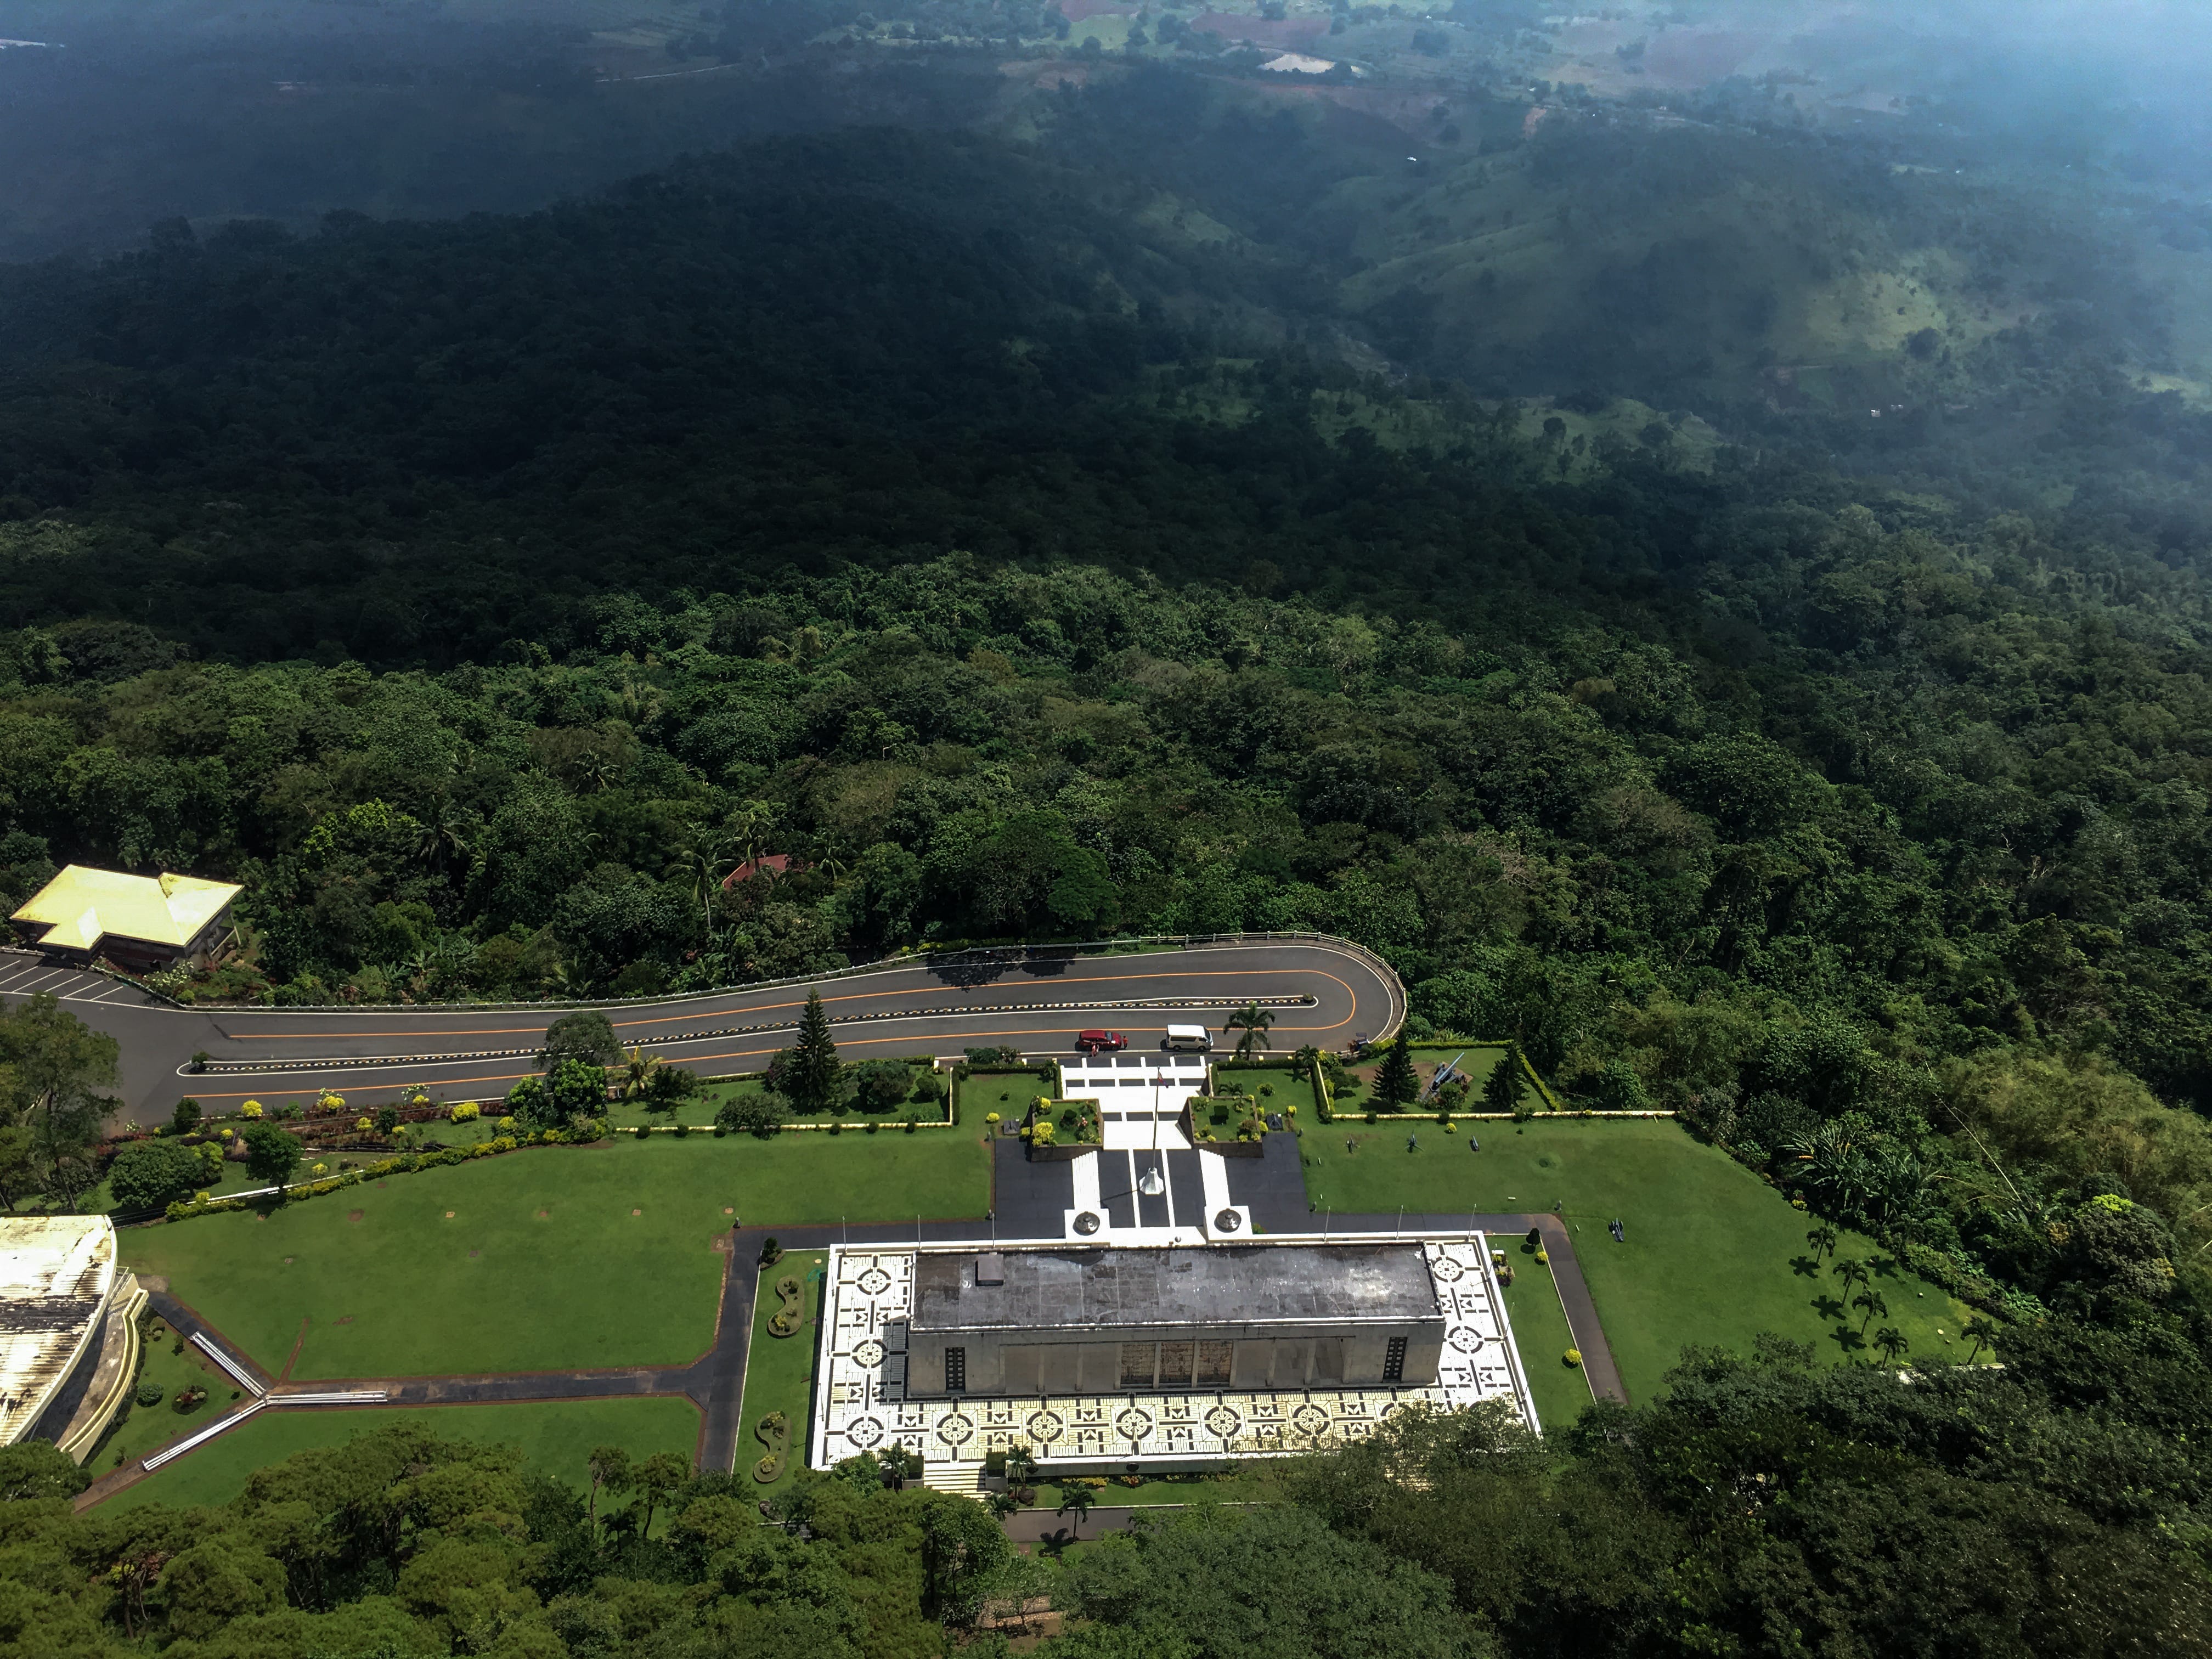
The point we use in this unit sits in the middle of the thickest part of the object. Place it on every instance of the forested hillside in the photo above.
(1968, 1512)
(1031, 555)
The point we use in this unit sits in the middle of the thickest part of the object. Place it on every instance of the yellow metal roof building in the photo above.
(81, 906)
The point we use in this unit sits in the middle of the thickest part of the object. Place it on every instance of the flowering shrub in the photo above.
(329, 1102)
(1573, 1357)
(465, 1112)
(362, 1125)
(251, 1109)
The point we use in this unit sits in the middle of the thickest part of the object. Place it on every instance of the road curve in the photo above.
(1322, 992)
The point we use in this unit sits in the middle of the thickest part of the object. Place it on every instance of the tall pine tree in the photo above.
(816, 1077)
(1506, 1086)
(1395, 1081)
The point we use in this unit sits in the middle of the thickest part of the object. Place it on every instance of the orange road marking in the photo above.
(771, 1007)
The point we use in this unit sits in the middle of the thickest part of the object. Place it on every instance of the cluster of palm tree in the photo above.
(1823, 1240)
(712, 853)
(437, 964)
(1883, 1184)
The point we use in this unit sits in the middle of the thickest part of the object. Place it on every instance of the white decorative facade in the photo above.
(1132, 1399)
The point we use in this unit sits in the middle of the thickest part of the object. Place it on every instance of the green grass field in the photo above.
(556, 1436)
(1713, 1254)
(1540, 1332)
(1272, 1089)
(149, 1426)
(780, 1370)
(538, 1261)
(1006, 1093)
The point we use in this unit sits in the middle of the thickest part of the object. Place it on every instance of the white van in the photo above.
(1189, 1036)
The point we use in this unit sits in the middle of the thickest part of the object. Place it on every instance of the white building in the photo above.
(69, 1330)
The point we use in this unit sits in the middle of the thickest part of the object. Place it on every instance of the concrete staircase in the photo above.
(964, 1478)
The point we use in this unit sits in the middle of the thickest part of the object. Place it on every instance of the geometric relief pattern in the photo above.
(860, 1400)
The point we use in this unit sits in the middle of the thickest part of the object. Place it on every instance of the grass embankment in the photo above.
(541, 1259)
(556, 1437)
(172, 1367)
(1713, 1254)
(780, 1370)
(1540, 1332)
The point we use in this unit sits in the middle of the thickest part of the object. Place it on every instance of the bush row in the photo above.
(405, 1163)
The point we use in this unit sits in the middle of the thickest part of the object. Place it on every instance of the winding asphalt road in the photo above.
(1322, 992)
(1035, 1000)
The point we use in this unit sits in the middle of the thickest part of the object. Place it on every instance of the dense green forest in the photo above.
(1762, 1507)
(1030, 562)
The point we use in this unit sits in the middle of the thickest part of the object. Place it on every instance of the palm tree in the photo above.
(1021, 1464)
(701, 866)
(1077, 1496)
(421, 962)
(1254, 1020)
(1871, 1307)
(1984, 1331)
(1891, 1341)
(1822, 1238)
(439, 835)
(637, 1071)
(595, 771)
(1850, 1270)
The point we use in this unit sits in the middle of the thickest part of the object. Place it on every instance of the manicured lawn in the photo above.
(1287, 1087)
(1006, 1093)
(1713, 1254)
(149, 1426)
(541, 1259)
(780, 1370)
(1540, 1332)
(556, 1436)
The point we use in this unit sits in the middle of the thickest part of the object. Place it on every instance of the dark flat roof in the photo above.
(1066, 1285)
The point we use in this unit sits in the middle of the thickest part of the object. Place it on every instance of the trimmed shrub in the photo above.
(153, 1174)
(758, 1114)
